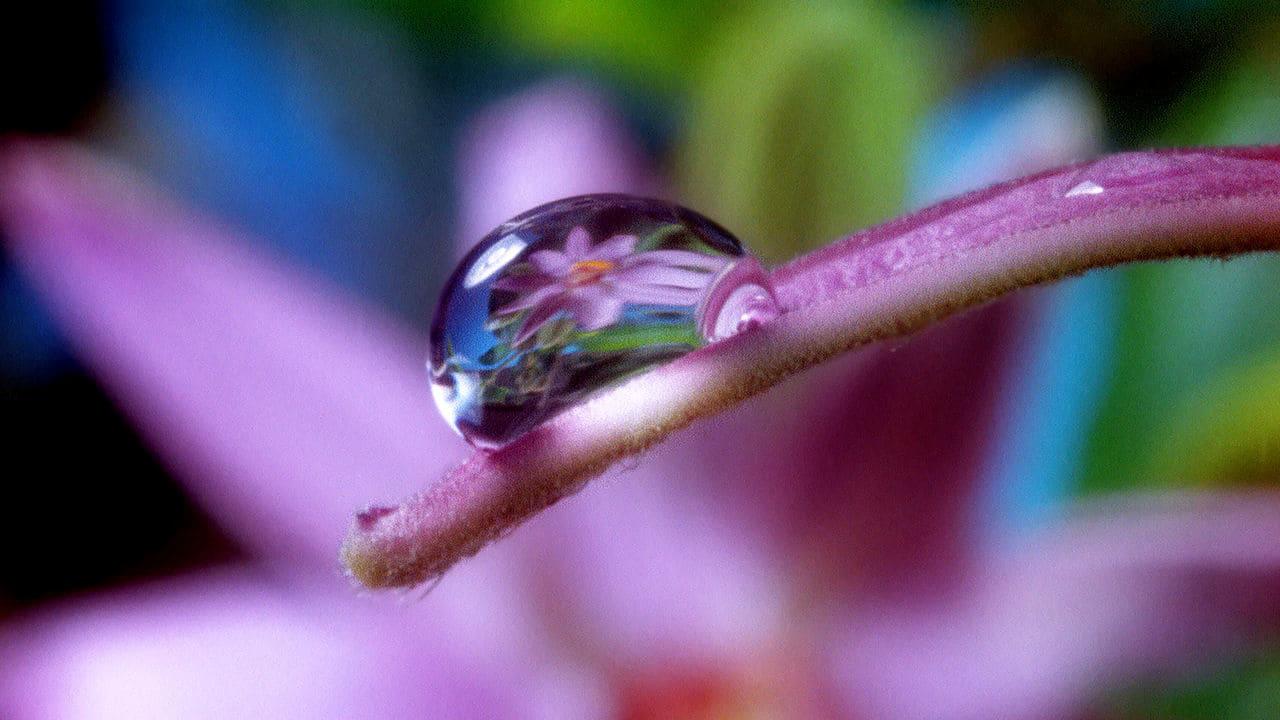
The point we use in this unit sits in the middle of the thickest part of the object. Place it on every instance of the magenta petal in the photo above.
(655, 294)
(541, 314)
(225, 645)
(1110, 597)
(578, 244)
(881, 283)
(593, 307)
(657, 274)
(884, 450)
(613, 249)
(644, 574)
(552, 263)
(551, 141)
(677, 258)
(282, 406)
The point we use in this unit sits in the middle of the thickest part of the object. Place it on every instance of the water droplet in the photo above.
(579, 295)
(1088, 187)
(1125, 172)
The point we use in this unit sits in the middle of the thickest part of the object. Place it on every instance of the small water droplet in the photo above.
(579, 295)
(1088, 187)
(1125, 171)
(747, 307)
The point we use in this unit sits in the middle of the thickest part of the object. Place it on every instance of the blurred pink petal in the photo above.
(673, 604)
(554, 140)
(642, 572)
(280, 404)
(881, 452)
(1111, 596)
(883, 282)
(226, 646)
(308, 647)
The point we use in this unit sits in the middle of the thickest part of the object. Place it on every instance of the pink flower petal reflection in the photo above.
(578, 245)
(551, 263)
(593, 308)
(281, 406)
(1112, 596)
(613, 249)
(593, 283)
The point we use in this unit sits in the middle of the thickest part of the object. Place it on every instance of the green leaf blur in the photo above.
(801, 122)
(1190, 334)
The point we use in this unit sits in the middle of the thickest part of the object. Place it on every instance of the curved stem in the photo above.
(881, 283)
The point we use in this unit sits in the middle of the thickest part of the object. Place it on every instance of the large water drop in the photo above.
(578, 295)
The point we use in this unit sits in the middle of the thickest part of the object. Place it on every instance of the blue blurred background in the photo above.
(331, 131)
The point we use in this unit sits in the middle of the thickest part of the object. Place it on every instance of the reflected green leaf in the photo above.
(627, 337)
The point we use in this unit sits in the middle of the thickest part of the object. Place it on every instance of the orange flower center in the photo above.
(586, 272)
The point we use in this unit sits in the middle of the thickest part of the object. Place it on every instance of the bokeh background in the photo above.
(342, 136)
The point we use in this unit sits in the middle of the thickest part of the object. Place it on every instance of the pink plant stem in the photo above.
(881, 283)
